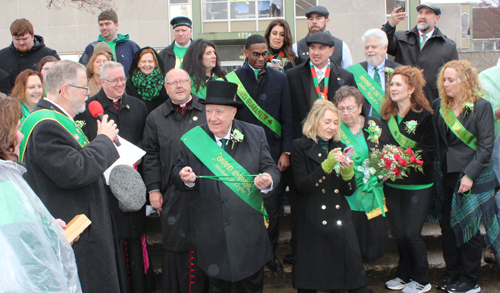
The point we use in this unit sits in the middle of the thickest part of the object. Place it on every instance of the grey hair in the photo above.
(375, 33)
(111, 65)
(62, 72)
(187, 74)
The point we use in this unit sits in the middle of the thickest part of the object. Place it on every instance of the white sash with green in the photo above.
(230, 172)
(369, 196)
(41, 115)
(458, 129)
(370, 89)
(256, 110)
(398, 136)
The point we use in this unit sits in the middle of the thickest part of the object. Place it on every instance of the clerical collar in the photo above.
(183, 105)
(116, 100)
(177, 44)
(61, 108)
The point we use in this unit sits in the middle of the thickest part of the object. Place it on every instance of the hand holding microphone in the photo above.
(104, 126)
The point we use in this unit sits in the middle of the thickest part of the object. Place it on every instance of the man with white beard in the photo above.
(425, 46)
(371, 75)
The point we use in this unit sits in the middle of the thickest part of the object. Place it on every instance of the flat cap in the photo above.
(432, 7)
(320, 38)
(181, 20)
(319, 10)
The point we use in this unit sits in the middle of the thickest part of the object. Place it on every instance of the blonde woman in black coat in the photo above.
(327, 255)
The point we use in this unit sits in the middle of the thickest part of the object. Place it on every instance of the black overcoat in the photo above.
(327, 255)
(130, 120)
(68, 179)
(272, 94)
(162, 134)
(231, 237)
(300, 79)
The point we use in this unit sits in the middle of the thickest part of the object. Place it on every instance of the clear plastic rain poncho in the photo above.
(490, 82)
(34, 253)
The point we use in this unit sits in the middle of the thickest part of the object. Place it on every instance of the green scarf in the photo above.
(148, 86)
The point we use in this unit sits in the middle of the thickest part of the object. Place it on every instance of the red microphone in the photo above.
(96, 110)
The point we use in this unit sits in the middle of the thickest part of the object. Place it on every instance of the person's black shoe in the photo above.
(275, 265)
(489, 255)
(288, 258)
(444, 283)
(463, 287)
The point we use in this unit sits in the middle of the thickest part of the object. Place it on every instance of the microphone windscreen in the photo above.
(95, 108)
(127, 186)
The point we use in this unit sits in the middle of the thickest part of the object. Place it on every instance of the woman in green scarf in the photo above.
(368, 203)
(202, 64)
(147, 78)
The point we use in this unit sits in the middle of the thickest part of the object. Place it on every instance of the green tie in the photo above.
(223, 141)
(424, 39)
(376, 77)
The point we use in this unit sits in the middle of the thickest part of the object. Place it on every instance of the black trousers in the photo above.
(462, 263)
(406, 215)
(252, 284)
(273, 208)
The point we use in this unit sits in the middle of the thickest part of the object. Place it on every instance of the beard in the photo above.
(374, 60)
(423, 27)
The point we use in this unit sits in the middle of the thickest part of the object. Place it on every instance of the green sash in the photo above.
(458, 129)
(219, 162)
(400, 138)
(38, 116)
(370, 89)
(348, 138)
(256, 110)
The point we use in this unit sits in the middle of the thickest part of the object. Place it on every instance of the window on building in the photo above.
(301, 6)
(465, 25)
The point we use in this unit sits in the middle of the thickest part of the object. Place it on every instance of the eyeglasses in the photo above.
(117, 80)
(257, 54)
(45, 68)
(349, 109)
(181, 82)
(86, 88)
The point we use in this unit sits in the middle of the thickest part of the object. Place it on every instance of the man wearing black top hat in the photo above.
(424, 46)
(317, 20)
(227, 165)
(173, 54)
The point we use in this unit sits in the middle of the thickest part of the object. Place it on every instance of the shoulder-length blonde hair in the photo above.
(470, 81)
(414, 78)
(90, 65)
(310, 128)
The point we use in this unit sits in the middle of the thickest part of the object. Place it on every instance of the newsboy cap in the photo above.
(432, 7)
(181, 20)
(319, 10)
(321, 38)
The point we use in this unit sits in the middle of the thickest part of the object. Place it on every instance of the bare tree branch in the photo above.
(88, 5)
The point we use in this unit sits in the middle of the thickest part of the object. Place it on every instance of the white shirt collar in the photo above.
(371, 68)
(177, 44)
(217, 139)
(61, 108)
(323, 71)
(254, 68)
(429, 34)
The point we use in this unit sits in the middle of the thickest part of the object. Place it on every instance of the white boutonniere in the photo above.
(374, 131)
(388, 71)
(80, 123)
(411, 126)
(236, 136)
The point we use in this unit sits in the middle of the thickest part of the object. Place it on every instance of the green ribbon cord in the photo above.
(256, 110)
(219, 162)
(400, 138)
(368, 87)
(321, 95)
(41, 115)
(458, 129)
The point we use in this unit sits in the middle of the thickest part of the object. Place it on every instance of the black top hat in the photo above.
(221, 93)
(319, 10)
(432, 7)
(320, 38)
(181, 20)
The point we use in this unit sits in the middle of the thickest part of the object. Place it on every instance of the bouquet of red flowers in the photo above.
(392, 163)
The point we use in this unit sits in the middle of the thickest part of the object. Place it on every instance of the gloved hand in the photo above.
(329, 163)
(347, 172)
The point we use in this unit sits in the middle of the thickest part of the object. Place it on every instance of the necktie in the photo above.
(223, 141)
(319, 75)
(376, 77)
(424, 39)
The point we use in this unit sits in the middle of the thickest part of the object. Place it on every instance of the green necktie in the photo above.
(424, 39)
(376, 77)
(223, 141)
